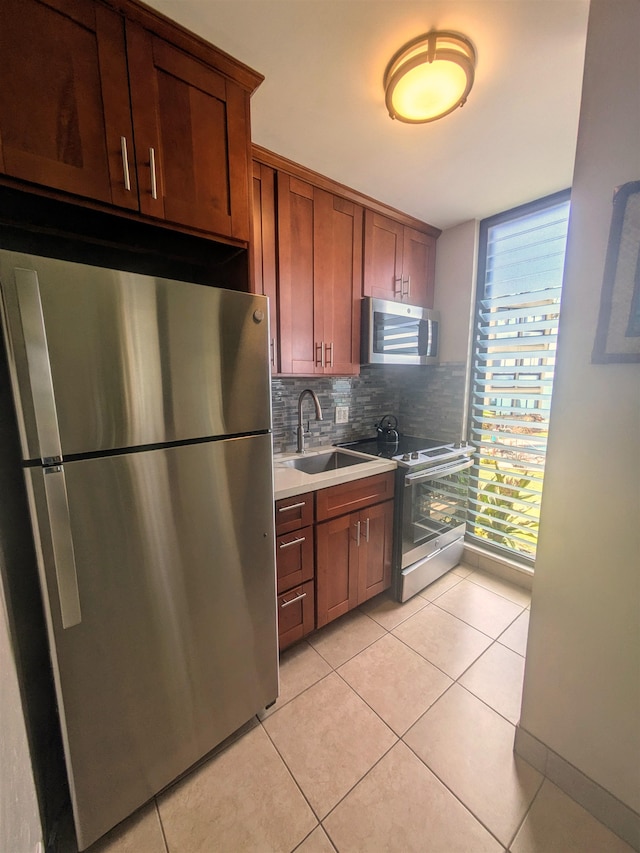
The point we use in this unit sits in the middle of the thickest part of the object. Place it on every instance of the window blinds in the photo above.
(518, 308)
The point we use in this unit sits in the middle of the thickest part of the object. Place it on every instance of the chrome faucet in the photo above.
(316, 403)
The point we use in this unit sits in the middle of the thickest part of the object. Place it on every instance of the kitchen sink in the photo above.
(322, 462)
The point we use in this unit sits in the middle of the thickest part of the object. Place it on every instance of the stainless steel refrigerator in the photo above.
(144, 413)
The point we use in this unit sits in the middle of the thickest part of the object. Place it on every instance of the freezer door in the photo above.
(104, 360)
(174, 643)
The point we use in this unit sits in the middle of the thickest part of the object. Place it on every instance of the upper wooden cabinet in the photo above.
(320, 270)
(399, 261)
(64, 72)
(107, 102)
(263, 245)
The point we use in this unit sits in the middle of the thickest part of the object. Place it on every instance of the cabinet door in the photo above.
(264, 248)
(64, 101)
(336, 568)
(192, 138)
(374, 554)
(300, 301)
(418, 267)
(383, 246)
(338, 267)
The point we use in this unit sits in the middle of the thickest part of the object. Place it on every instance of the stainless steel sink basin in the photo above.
(322, 462)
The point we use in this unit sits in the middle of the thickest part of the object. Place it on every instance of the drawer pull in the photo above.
(298, 597)
(291, 506)
(293, 542)
(125, 163)
(152, 166)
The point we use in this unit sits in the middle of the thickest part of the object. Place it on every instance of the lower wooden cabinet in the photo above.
(295, 568)
(353, 560)
(296, 614)
(328, 568)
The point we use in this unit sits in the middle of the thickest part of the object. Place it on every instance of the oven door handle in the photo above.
(435, 473)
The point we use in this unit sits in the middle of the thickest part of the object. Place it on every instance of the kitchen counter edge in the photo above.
(288, 482)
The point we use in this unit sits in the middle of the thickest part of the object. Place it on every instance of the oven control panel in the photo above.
(433, 455)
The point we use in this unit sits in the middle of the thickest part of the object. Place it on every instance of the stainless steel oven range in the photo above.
(432, 483)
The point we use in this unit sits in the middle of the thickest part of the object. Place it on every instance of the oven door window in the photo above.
(437, 505)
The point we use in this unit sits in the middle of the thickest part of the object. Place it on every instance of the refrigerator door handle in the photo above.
(63, 554)
(35, 342)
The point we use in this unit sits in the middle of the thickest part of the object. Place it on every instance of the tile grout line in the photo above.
(297, 784)
(526, 814)
(400, 738)
(361, 779)
(162, 830)
(452, 792)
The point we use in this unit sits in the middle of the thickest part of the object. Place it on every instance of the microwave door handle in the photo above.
(436, 473)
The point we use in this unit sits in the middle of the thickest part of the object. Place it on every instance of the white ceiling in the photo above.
(322, 103)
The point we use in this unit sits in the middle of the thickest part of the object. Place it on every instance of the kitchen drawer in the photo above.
(294, 558)
(296, 614)
(346, 497)
(293, 513)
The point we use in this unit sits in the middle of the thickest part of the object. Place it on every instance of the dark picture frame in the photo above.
(618, 331)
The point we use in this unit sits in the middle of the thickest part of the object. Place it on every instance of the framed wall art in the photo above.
(618, 331)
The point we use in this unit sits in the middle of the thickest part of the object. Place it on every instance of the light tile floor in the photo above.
(393, 732)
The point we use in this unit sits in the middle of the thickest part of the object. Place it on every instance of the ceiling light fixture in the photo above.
(429, 77)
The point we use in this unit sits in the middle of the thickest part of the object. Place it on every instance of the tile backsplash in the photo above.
(428, 401)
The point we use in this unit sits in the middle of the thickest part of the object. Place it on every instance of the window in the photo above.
(518, 306)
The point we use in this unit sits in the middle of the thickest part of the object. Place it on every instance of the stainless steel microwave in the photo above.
(397, 333)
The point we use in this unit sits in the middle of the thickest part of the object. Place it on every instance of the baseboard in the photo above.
(509, 570)
(599, 802)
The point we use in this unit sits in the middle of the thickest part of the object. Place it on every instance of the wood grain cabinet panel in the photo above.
(294, 513)
(354, 544)
(399, 262)
(336, 568)
(295, 568)
(294, 558)
(376, 540)
(418, 267)
(102, 107)
(296, 614)
(346, 497)
(196, 124)
(353, 560)
(64, 101)
(263, 244)
(320, 270)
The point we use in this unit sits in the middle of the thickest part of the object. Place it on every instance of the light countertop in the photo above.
(289, 482)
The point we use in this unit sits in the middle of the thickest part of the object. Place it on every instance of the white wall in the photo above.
(20, 830)
(456, 251)
(582, 679)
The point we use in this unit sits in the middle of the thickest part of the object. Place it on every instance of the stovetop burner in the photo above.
(389, 450)
(409, 451)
